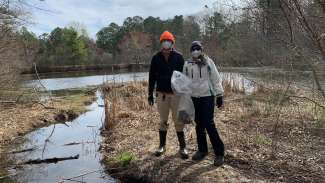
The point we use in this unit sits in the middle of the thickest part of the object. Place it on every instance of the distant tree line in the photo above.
(257, 33)
(68, 46)
(185, 29)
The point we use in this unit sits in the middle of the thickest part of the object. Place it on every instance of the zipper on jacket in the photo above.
(200, 72)
(192, 73)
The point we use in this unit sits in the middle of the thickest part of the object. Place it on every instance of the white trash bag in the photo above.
(181, 85)
(185, 111)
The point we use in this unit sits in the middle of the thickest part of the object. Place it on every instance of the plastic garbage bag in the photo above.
(185, 111)
(181, 84)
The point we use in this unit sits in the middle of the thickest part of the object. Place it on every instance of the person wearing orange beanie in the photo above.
(163, 64)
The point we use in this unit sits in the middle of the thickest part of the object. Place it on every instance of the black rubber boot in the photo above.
(162, 143)
(218, 161)
(182, 145)
(198, 156)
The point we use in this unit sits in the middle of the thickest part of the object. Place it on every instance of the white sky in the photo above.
(95, 14)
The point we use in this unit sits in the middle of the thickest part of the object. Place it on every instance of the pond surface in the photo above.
(83, 81)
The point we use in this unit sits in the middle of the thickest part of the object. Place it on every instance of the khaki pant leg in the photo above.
(163, 109)
(179, 126)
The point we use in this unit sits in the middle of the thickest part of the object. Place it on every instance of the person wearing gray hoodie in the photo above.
(207, 92)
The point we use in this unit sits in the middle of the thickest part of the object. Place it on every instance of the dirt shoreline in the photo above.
(254, 151)
(19, 119)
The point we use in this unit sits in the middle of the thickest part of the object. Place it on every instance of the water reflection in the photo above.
(77, 82)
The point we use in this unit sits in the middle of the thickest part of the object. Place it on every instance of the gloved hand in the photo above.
(219, 102)
(150, 100)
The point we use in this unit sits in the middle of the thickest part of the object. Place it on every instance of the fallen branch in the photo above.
(91, 126)
(76, 181)
(40, 103)
(81, 175)
(306, 98)
(8, 101)
(22, 151)
(49, 160)
(77, 143)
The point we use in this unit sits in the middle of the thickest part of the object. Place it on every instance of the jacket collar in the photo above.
(201, 62)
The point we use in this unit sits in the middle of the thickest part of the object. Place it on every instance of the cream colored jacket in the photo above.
(206, 80)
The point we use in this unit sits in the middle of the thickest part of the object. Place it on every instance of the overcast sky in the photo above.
(95, 14)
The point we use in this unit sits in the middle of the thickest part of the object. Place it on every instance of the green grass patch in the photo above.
(125, 158)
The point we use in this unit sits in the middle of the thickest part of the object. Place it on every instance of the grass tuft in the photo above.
(125, 158)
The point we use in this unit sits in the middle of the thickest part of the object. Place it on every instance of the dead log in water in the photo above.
(78, 143)
(49, 160)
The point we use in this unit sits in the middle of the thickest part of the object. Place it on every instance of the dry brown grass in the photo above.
(247, 128)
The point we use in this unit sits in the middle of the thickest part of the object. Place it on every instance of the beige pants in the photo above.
(165, 104)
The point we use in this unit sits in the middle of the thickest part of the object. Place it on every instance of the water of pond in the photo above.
(59, 83)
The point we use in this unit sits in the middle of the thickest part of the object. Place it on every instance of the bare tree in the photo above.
(12, 16)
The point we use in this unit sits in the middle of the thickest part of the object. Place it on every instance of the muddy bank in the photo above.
(18, 119)
(262, 143)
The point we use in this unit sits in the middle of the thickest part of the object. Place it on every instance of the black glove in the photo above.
(219, 101)
(150, 100)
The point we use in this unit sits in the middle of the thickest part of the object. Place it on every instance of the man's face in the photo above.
(166, 46)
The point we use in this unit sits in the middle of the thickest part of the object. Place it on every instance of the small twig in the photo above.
(48, 138)
(77, 143)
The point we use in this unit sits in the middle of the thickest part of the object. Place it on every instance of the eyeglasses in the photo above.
(196, 49)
